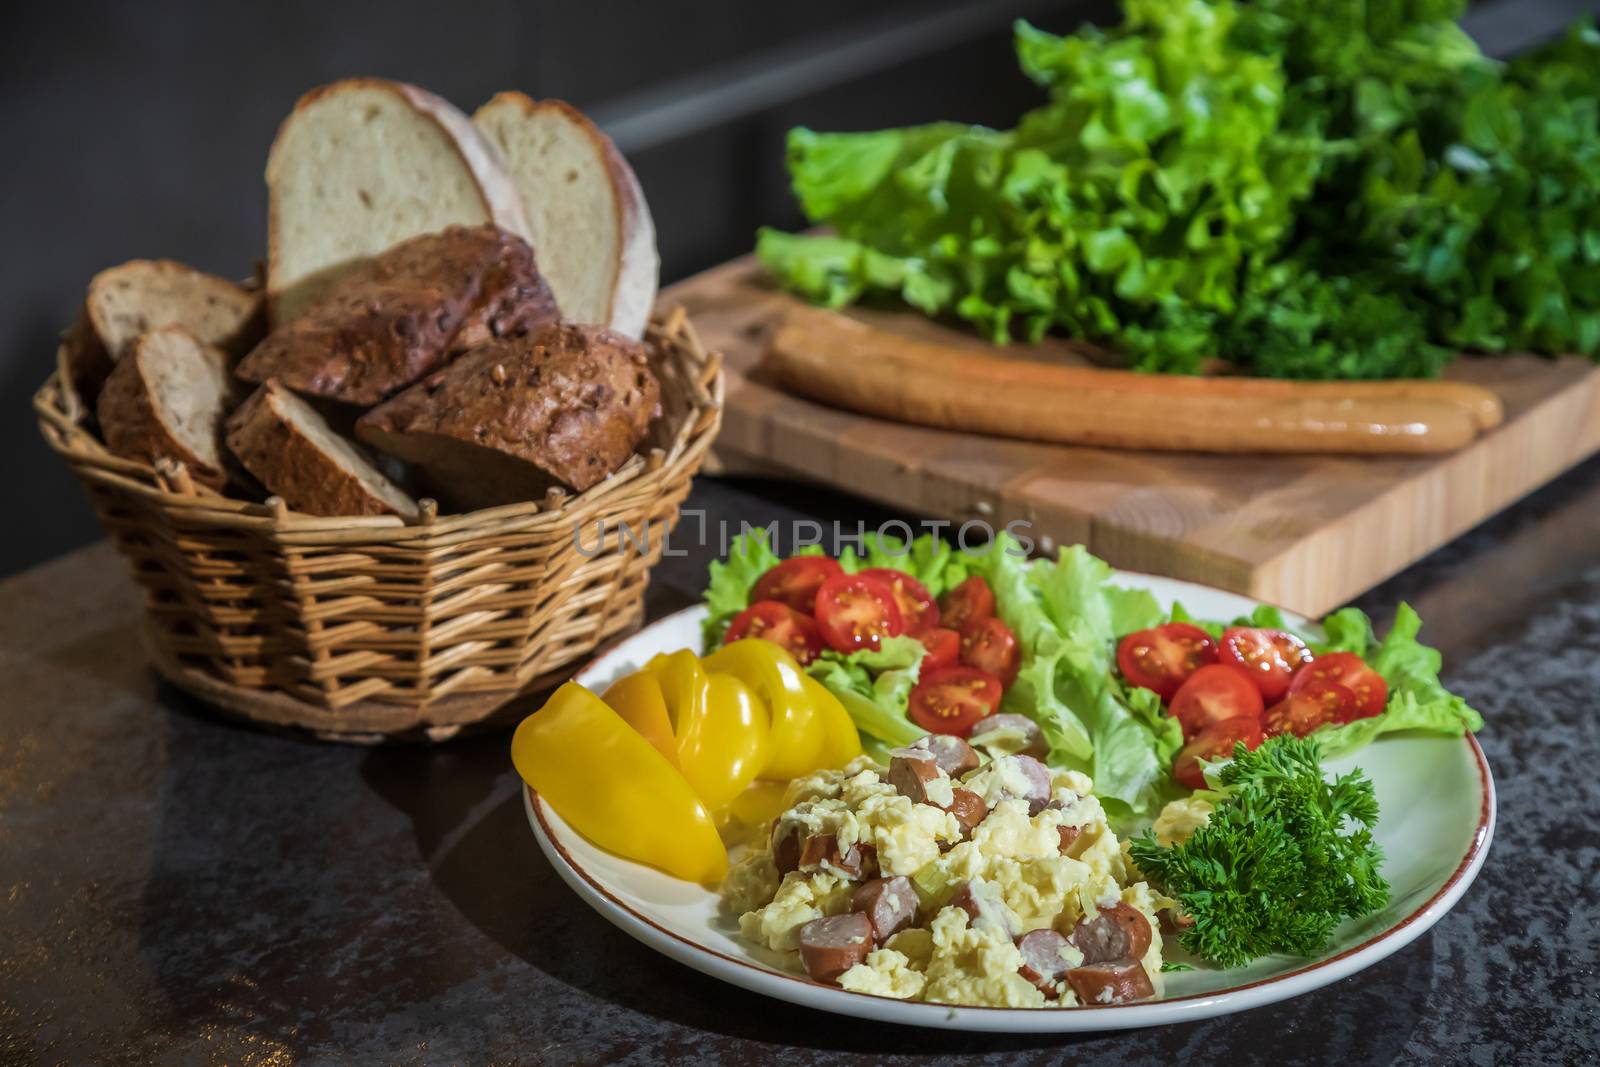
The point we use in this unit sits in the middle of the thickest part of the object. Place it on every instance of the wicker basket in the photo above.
(367, 628)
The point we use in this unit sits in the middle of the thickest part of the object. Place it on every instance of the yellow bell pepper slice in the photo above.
(637, 698)
(796, 740)
(725, 747)
(601, 776)
(841, 741)
(749, 814)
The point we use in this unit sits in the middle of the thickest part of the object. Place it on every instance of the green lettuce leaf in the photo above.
(877, 704)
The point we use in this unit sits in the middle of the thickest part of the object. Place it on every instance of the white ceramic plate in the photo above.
(1437, 817)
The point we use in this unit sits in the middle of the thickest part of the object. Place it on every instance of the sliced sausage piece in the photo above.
(1042, 962)
(1118, 932)
(1038, 777)
(786, 848)
(890, 904)
(910, 771)
(968, 808)
(984, 908)
(819, 849)
(954, 755)
(831, 946)
(1069, 837)
(1009, 731)
(1112, 982)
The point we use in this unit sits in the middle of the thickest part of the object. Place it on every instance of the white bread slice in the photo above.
(167, 398)
(363, 164)
(589, 223)
(291, 449)
(144, 294)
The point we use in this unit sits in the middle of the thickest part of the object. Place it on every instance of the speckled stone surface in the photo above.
(174, 889)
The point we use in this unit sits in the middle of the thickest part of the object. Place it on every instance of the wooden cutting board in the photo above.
(1304, 532)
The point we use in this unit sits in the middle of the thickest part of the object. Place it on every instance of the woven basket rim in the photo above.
(60, 416)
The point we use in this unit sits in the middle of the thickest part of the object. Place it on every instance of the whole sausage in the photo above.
(1118, 932)
(910, 771)
(831, 946)
(1042, 961)
(955, 756)
(1007, 729)
(1112, 982)
(841, 362)
(890, 904)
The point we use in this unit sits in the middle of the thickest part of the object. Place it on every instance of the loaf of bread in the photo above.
(563, 405)
(83, 362)
(363, 164)
(587, 215)
(167, 398)
(401, 315)
(290, 448)
(144, 294)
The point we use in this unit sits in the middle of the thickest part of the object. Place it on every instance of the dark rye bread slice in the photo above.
(403, 314)
(564, 405)
(167, 398)
(143, 294)
(291, 449)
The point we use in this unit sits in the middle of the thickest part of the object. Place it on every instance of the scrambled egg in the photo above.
(1017, 858)
(1179, 820)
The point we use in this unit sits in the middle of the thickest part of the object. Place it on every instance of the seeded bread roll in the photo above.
(83, 362)
(126, 300)
(286, 444)
(402, 315)
(167, 398)
(563, 405)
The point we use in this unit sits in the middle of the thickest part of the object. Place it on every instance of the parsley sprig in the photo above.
(1285, 857)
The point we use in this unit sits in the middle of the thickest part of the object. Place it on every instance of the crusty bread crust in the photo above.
(502, 205)
(565, 404)
(284, 442)
(135, 422)
(638, 265)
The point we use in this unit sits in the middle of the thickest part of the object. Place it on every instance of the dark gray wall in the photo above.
(141, 129)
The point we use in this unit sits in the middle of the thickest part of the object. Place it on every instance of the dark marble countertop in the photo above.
(175, 889)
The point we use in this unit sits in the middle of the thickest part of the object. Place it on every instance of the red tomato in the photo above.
(1213, 743)
(990, 646)
(967, 603)
(856, 612)
(910, 596)
(795, 581)
(1213, 694)
(780, 624)
(951, 699)
(1269, 656)
(1350, 671)
(1316, 705)
(944, 648)
(1163, 658)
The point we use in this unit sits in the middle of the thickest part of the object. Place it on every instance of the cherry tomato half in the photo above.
(1316, 705)
(1270, 657)
(967, 603)
(1164, 657)
(1213, 743)
(780, 624)
(856, 612)
(990, 646)
(952, 699)
(944, 648)
(1350, 671)
(795, 581)
(1215, 693)
(916, 605)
